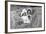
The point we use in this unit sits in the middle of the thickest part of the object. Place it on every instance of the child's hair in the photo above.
(29, 10)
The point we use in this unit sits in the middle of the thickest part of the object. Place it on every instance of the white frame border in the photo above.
(29, 29)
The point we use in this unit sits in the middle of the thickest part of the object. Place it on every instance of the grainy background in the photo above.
(36, 17)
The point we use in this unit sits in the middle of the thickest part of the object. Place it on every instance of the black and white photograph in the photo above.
(24, 16)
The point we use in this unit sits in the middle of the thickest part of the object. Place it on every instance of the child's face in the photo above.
(28, 12)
